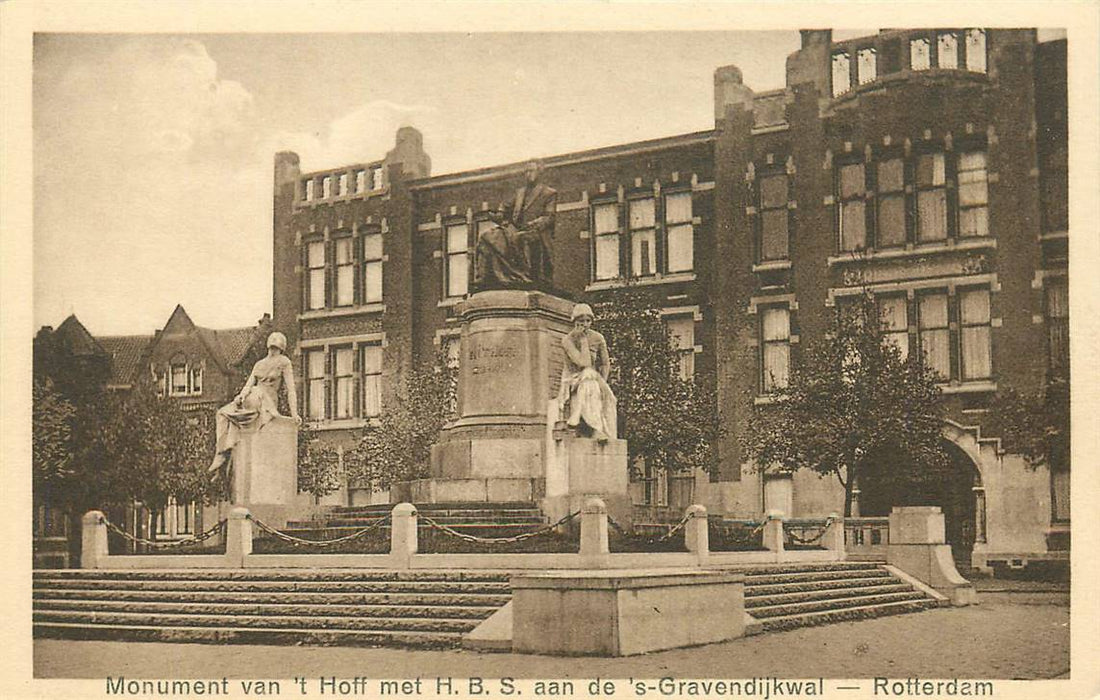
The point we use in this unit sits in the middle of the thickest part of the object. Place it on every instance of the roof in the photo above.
(231, 344)
(126, 352)
(76, 338)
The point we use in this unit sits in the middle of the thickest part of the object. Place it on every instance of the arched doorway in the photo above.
(957, 491)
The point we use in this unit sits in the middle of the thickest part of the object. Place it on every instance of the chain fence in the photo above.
(163, 544)
(299, 541)
(810, 540)
(466, 537)
(641, 539)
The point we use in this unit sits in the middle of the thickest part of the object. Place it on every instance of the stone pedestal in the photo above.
(918, 547)
(265, 472)
(578, 469)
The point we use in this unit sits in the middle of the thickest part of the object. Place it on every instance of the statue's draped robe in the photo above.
(584, 394)
(260, 404)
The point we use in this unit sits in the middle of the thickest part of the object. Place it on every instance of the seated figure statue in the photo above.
(585, 398)
(516, 252)
(256, 404)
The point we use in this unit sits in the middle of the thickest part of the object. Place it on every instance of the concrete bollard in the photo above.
(238, 537)
(594, 531)
(834, 535)
(773, 532)
(403, 534)
(93, 540)
(696, 533)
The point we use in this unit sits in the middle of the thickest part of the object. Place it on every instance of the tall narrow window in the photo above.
(680, 233)
(890, 203)
(931, 198)
(1057, 302)
(947, 49)
(681, 332)
(842, 74)
(345, 271)
(360, 181)
(643, 238)
(974, 318)
(866, 65)
(307, 190)
(853, 213)
(776, 335)
(606, 225)
(975, 50)
(973, 194)
(326, 187)
(935, 336)
(920, 57)
(774, 218)
(372, 380)
(184, 521)
(342, 185)
(457, 255)
(344, 381)
(178, 385)
(315, 381)
(376, 178)
(315, 261)
(894, 323)
(372, 267)
(196, 381)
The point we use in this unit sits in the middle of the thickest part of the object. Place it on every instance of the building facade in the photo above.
(929, 166)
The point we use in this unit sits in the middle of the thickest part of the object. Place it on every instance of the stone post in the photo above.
(696, 535)
(594, 548)
(403, 534)
(773, 532)
(834, 535)
(238, 537)
(93, 540)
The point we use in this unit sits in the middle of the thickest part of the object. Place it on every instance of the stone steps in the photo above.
(825, 617)
(488, 600)
(755, 598)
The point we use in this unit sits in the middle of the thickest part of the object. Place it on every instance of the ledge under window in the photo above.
(450, 301)
(342, 424)
(670, 278)
(375, 308)
(969, 387)
(771, 265)
(914, 251)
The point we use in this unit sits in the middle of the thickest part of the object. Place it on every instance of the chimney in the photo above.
(730, 92)
(409, 152)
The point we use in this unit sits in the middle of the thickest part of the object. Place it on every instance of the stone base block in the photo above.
(582, 468)
(489, 452)
(466, 490)
(608, 613)
(265, 464)
(916, 525)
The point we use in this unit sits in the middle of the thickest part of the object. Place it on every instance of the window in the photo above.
(935, 338)
(372, 267)
(307, 190)
(975, 50)
(372, 380)
(457, 260)
(178, 379)
(360, 181)
(681, 332)
(376, 178)
(776, 333)
(162, 382)
(315, 381)
(344, 380)
(973, 194)
(643, 238)
(345, 271)
(326, 187)
(853, 219)
(866, 66)
(890, 203)
(315, 262)
(894, 323)
(920, 57)
(1057, 308)
(774, 218)
(679, 232)
(196, 381)
(183, 516)
(606, 227)
(974, 320)
(931, 198)
(342, 185)
(175, 520)
(842, 74)
(947, 48)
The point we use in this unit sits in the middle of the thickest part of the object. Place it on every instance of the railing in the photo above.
(866, 538)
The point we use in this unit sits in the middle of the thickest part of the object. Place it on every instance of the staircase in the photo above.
(786, 596)
(346, 607)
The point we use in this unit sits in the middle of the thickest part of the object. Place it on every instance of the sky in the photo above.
(153, 153)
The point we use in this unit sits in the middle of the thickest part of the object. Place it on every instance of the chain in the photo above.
(671, 531)
(497, 540)
(297, 541)
(812, 540)
(201, 537)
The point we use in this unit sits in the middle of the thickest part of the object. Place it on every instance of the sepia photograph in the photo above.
(727, 359)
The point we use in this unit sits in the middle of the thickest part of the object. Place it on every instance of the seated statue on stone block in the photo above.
(585, 398)
(256, 405)
(515, 252)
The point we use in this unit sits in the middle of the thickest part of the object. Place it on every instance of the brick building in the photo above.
(928, 165)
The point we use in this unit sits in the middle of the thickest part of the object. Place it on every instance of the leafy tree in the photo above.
(1035, 425)
(854, 409)
(52, 448)
(319, 471)
(668, 421)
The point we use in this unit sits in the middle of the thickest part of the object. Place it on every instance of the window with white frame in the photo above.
(842, 73)
(866, 65)
(931, 197)
(307, 189)
(372, 267)
(894, 322)
(178, 376)
(175, 520)
(456, 259)
(606, 233)
(196, 380)
(315, 384)
(371, 362)
(975, 50)
(679, 232)
(376, 179)
(342, 185)
(360, 181)
(947, 50)
(345, 271)
(973, 194)
(343, 377)
(890, 227)
(852, 190)
(643, 237)
(775, 331)
(326, 187)
(975, 332)
(1056, 291)
(681, 333)
(774, 218)
(920, 54)
(934, 332)
(315, 264)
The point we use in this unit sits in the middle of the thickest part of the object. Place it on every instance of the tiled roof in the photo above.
(126, 352)
(230, 343)
(76, 338)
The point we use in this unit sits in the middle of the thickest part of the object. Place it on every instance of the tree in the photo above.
(52, 448)
(855, 409)
(668, 421)
(319, 470)
(1035, 425)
